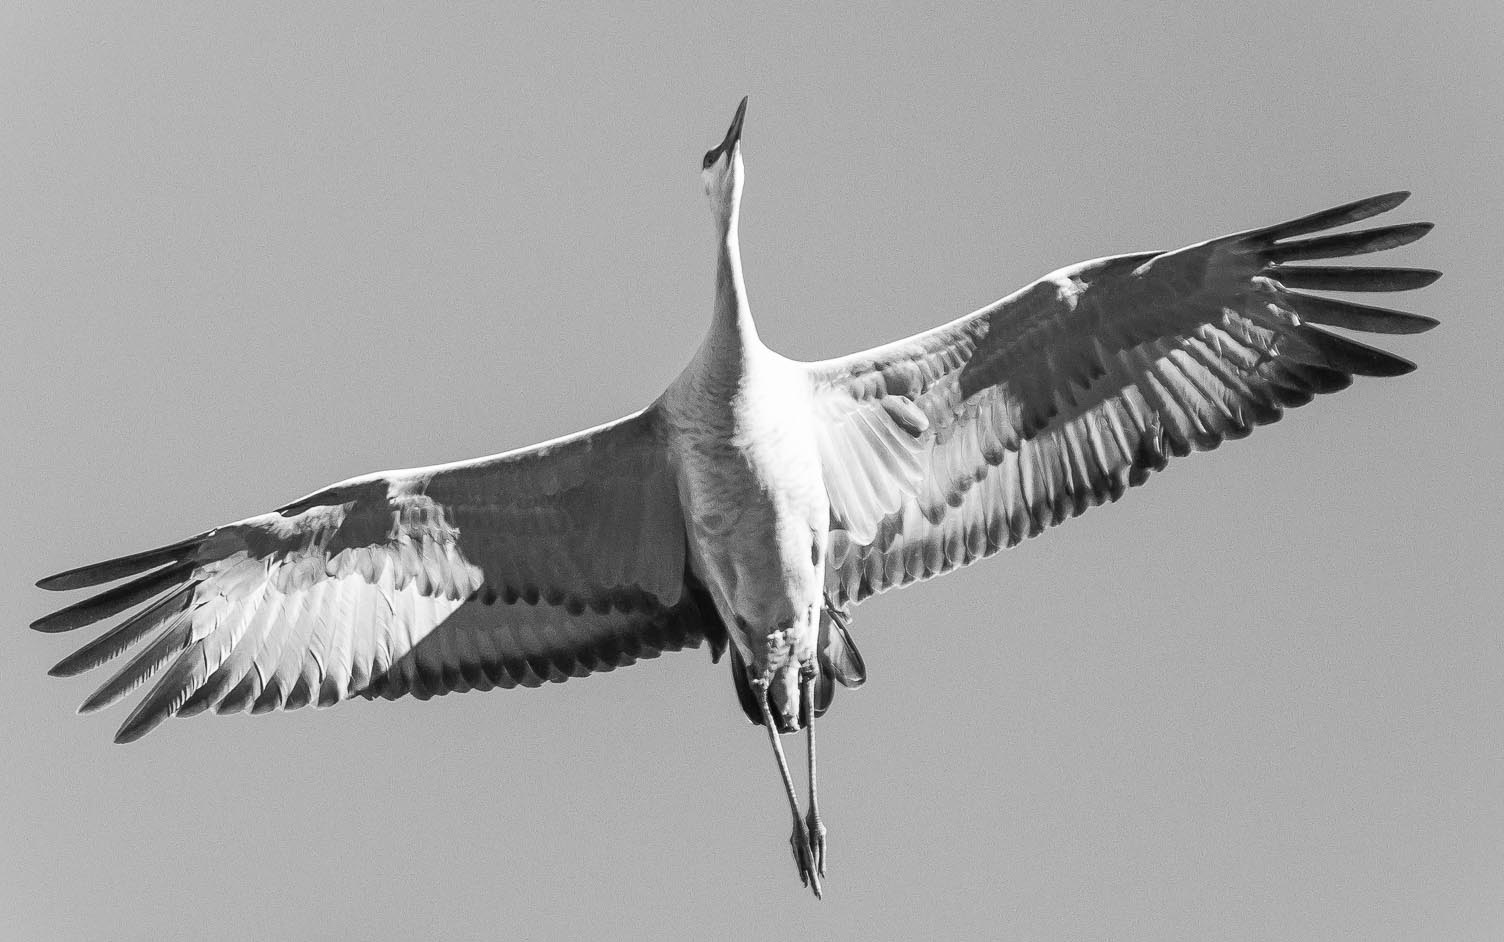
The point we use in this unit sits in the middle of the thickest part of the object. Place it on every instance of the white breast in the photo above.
(754, 503)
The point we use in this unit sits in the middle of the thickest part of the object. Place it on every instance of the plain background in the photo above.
(246, 254)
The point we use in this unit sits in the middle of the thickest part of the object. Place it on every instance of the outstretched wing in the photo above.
(948, 446)
(536, 565)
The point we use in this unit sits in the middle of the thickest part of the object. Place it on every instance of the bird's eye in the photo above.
(710, 156)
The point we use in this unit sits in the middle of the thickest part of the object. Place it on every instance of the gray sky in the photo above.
(245, 255)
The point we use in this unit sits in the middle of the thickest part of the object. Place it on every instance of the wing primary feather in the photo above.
(114, 601)
(112, 643)
(1349, 243)
(121, 566)
(1334, 217)
(214, 646)
(1318, 379)
(169, 694)
(172, 639)
(1339, 278)
(1375, 320)
(1352, 356)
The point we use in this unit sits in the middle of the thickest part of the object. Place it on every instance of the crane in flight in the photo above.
(756, 500)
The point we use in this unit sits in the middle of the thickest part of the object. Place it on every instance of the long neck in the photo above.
(733, 316)
(731, 329)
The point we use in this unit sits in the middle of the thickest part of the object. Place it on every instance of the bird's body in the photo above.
(755, 510)
(755, 501)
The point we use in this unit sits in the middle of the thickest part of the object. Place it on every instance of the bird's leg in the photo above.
(812, 822)
(799, 840)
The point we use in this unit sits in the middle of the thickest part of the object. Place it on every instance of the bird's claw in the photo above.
(817, 834)
(811, 863)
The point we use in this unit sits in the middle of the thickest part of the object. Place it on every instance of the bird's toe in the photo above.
(805, 856)
(817, 833)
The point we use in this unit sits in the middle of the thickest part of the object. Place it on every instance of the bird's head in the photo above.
(722, 170)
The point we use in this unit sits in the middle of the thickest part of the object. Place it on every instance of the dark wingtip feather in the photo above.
(74, 664)
(1338, 278)
(115, 641)
(1352, 356)
(112, 602)
(1346, 314)
(94, 703)
(136, 727)
(174, 638)
(1336, 216)
(166, 697)
(1349, 243)
(120, 567)
(54, 623)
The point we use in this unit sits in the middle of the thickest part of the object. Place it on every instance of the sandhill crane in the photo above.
(756, 500)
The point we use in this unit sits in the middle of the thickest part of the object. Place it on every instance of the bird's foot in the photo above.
(817, 834)
(804, 856)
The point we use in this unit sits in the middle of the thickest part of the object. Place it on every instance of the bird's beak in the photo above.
(735, 133)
